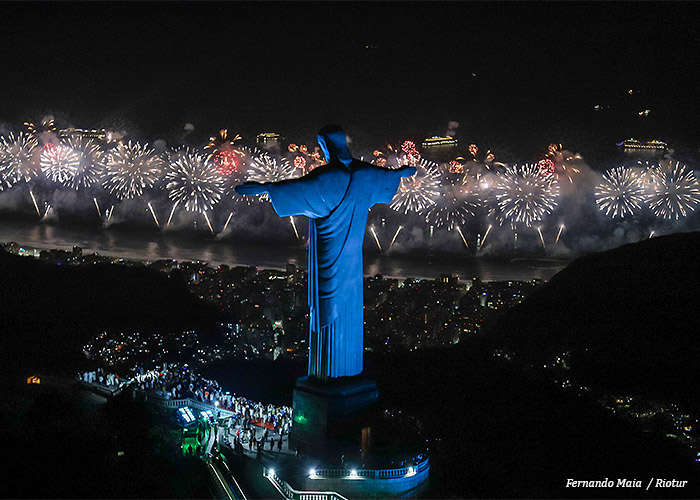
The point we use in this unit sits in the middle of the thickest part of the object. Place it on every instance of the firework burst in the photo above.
(130, 168)
(563, 162)
(621, 192)
(225, 157)
(645, 171)
(412, 154)
(300, 162)
(523, 195)
(59, 163)
(417, 192)
(481, 164)
(675, 191)
(546, 166)
(90, 166)
(240, 175)
(192, 180)
(47, 124)
(265, 168)
(458, 198)
(227, 162)
(389, 157)
(222, 142)
(18, 159)
(456, 166)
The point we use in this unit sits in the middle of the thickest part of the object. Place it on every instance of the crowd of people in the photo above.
(253, 424)
(174, 381)
(99, 376)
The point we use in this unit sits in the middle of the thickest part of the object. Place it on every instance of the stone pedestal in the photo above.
(329, 415)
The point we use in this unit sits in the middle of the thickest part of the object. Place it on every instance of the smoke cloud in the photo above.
(452, 127)
(575, 226)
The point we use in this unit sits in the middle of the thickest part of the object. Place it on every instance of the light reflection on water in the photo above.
(150, 245)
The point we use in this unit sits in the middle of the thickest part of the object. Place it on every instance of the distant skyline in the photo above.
(514, 75)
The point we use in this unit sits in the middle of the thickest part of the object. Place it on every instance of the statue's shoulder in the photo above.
(329, 176)
(322, 171)
(364, 169)
(362, 165)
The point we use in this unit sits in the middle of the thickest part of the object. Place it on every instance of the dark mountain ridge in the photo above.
(48, 311)
(628, 317)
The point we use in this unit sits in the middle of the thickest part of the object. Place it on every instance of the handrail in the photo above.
(180, 403)
(372, 473)
(102, 389)
(220, 482)
(291, 494)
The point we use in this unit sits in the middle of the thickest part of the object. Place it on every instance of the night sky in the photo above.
(514, 75)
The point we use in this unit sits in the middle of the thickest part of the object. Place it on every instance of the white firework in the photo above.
(675, 191)
(90, 163)
(192, 180)
(59, 163)
(130, 168)
(18, 160)
(171, 155)
(457, 199)
(240, 175)
(523, 195)
(265, 168)
(418, 192)
(621, 193)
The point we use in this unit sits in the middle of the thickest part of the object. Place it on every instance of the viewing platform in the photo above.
(301, 477)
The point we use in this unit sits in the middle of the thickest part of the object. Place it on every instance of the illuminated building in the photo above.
(635, 144)
(439, 142)
(101, 134)
(267, 137)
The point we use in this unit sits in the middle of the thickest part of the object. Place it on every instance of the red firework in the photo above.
(409, 147)
(546, 166)
(300, 162)
(226, 162)
(455, 167)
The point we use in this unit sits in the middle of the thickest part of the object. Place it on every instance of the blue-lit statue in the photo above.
(336, 198)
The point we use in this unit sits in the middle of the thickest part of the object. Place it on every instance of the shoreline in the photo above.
(153, 246)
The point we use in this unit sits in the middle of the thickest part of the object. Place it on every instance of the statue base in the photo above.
(330, 417)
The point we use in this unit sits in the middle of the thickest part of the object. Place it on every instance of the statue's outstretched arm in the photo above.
(407, 171)
(251, 188)
(256, 188)
(308, 195)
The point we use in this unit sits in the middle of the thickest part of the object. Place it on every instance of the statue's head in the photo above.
(334, 144)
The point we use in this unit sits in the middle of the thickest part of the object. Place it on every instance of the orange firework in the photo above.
(455, 167)
(222, 142)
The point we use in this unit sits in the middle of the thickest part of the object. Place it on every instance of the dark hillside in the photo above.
(629, 316)
(47, 311)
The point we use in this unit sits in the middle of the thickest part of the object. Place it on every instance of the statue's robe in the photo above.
(336, 199)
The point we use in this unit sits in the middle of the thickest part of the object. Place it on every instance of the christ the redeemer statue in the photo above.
(336, 198)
